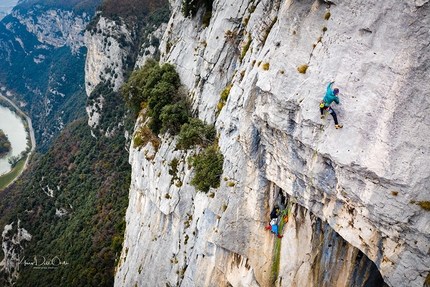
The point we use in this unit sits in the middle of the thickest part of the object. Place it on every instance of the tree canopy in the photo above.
(157, 88)
(5, 145)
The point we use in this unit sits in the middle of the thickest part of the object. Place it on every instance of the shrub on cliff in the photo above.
(132, 90)
(196, 132)
(173, 116)
(160, 96)
(208, 168)
(159, 88)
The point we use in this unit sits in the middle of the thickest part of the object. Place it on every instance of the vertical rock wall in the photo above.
(365, 180)
(55, 27)
(13, 243)
(105, 61)
(313, 254)
(106, 55)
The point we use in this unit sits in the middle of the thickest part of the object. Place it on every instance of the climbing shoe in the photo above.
(339, 126)
(322, 116)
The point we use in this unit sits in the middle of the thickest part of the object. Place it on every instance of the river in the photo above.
(13, 127)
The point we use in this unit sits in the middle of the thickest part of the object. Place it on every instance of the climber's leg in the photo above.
(322, 112)
(331, 111)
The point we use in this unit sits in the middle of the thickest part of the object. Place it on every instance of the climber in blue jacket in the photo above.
(330, 97)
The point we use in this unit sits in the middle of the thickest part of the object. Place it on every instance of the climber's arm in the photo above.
(329, 87)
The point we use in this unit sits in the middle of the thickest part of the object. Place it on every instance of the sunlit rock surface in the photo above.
(364, 181)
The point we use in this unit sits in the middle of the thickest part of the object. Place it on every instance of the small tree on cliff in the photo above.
(159, 88)
(208, 168)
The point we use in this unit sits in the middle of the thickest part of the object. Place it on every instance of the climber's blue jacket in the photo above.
(330, 96)
(275, 229)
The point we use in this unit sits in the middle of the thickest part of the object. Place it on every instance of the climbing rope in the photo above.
(285, 214)
(322, 125)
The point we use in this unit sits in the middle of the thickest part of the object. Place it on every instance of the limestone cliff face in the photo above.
(365, 181)
(13, 242)
(106, 55)
(109, 46)
(105, 61)
(55, 27)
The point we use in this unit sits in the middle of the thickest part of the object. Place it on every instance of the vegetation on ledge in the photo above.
(154, 91)
(157, 88)
(424, 205)
(208, 168)
(196, 133)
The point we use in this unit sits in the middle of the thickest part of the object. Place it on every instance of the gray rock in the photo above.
(363, 180)
(55, 26)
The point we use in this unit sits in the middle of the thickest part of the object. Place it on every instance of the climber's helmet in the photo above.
(336, 91)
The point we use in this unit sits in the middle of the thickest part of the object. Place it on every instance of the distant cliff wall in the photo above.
(55, 26)
(42, 55)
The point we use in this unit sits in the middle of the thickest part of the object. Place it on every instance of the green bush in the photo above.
(132, 90)
(173, 116)
(223, 98)
(160, 96)
(208, 169)
(196, 132)
(158, 87)
(168, 47)
(207, 18)
(188, 8)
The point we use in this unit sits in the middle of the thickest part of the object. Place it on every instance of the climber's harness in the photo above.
(322, 106)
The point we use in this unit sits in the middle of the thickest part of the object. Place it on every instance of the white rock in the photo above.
(105, 55)
(13, 248)
(56, 27)
(270, 135)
